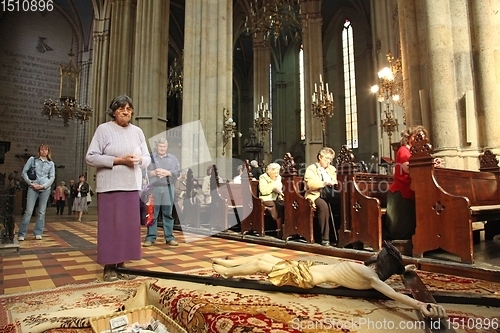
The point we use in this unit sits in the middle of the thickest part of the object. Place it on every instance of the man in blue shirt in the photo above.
(163, 173)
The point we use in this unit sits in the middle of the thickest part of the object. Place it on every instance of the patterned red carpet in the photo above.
(206, 308)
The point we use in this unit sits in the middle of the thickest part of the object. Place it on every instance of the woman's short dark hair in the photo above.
(119, 102)
(387, 262)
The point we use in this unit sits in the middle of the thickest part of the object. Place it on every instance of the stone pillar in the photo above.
(121, 50)
(280, 117)
(486, 53)
(100, 69)
(261, 88)
(100, 72)
(410, 55)
(207, 85)
(441, 76)
(151, 66)
(313, 68)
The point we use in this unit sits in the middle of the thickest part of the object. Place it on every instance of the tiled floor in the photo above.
(67, 255)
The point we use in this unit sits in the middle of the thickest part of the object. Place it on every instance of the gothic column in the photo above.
(313, 68)
(121, 51)
(100, 69)
(441, 76)
(151, 66)
(207, 85)
(410, 55)
(261, 88)
(486, 53)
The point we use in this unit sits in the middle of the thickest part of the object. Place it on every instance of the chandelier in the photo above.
(175, 74)
(229, 130)
(67, 107)
(390, 90)
(322, 104)
(275, 18)
(390, 87)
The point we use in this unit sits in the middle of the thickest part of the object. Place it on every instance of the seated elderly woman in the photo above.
(271, 192)
(319, 176)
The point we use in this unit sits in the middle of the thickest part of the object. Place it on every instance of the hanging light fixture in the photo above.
(175, 78)
(390, 91)
(67, 107)
(229, 130)
(274, 19)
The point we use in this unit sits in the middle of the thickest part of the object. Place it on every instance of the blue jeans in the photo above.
(31, 197)
(164, 200)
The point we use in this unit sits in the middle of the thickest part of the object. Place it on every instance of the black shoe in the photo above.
(109, 274)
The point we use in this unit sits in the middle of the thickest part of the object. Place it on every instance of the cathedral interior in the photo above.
(233, 80)
(190, 61)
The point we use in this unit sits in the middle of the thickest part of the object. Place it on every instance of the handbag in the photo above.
(32, 171)
(327, 192)
(147, 204)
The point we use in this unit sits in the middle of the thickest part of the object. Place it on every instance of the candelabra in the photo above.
(263, 119)
(389, 125)
(390, 90)
(275, 18)
(67, 107)
(322, 104)
(229, 131)
(175, 78)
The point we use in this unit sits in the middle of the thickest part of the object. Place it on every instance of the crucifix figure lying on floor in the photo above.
(305, 274)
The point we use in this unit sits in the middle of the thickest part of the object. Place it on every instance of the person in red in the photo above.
(400, 220)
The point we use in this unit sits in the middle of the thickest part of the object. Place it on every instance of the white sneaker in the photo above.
(20, 238)
(38, 237)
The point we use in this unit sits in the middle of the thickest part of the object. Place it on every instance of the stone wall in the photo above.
(34, 45)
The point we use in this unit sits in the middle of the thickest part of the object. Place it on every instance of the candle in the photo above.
(327, 87)
(320, 79)
(315, 87)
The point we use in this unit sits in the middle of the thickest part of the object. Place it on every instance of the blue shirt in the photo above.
(45, 172)
(168, 162)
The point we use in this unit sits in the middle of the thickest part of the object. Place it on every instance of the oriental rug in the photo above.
(207, 308)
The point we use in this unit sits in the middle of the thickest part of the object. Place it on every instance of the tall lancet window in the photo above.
(302, 99)
(351, 105)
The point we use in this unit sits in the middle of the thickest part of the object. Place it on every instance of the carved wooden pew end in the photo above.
(449, 201)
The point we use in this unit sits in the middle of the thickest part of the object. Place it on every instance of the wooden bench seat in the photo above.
(228, 207)
(363, 203)
(299, 212)
(448, 201)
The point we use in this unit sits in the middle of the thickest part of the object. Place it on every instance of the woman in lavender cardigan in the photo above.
(119, 151)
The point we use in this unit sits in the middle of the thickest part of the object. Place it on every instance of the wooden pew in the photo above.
(229, 204)
(488, 162)
(299, 212)
(254, 210)
(363, 203)
(191, 212)
(447, 201)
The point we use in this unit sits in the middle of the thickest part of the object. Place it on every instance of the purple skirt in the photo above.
(118, 227)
